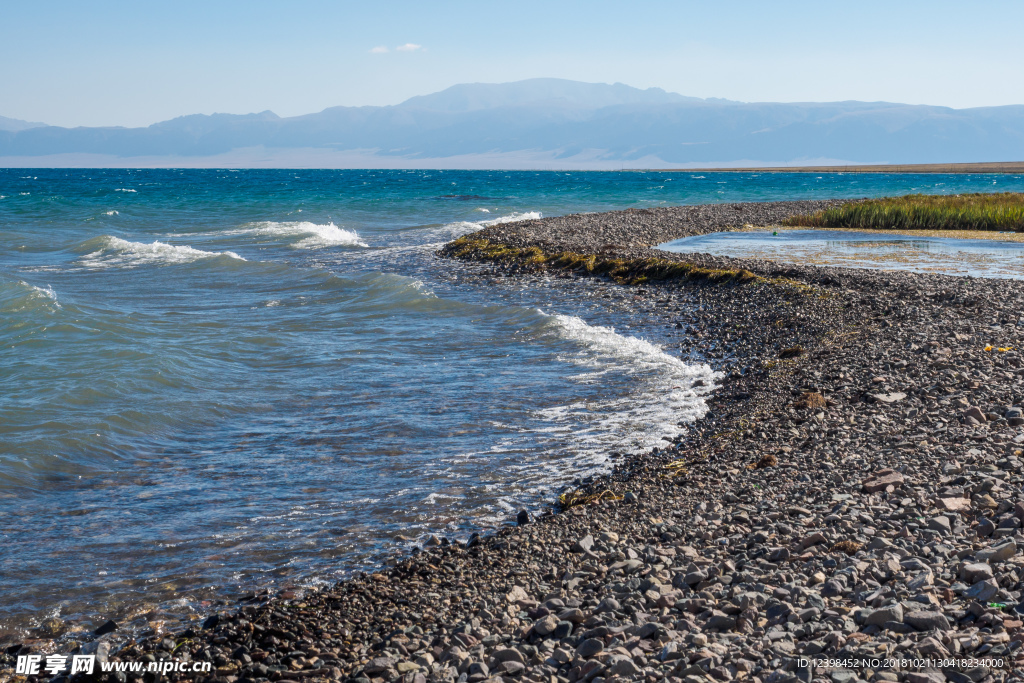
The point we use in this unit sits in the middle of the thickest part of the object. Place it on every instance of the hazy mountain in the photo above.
(17, 124)
(546, 92)
(543, 122)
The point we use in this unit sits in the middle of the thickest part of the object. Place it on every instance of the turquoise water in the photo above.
(217, 381)
(993, 257)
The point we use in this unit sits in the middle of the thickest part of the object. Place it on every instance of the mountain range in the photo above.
(540, 123)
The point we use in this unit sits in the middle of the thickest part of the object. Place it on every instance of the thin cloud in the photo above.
(379, 50)
(408, 47)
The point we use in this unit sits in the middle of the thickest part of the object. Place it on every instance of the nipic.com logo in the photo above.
(34, 665)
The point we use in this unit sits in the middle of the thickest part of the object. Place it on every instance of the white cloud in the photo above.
(408, 47)
(379, 50)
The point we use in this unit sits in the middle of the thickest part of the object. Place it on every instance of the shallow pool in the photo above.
(919, 254)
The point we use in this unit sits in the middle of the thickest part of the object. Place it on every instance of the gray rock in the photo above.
(721, 622)
(379, 665)
(880, 616)
(983, 591)
(999, 553)
(623, 666)
(584, 544)
(590, 647)
(509, 655)
(927, 620)
(939, 523)
(976, 571)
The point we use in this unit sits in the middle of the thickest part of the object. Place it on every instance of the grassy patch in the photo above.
(623, 271)
(1002, 211)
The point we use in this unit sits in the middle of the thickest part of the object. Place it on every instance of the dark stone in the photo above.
(109, 627)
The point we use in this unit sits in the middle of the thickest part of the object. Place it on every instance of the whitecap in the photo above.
(668, 396)
(47, 292)
(113, 212)
(115, 252)
(314, 235)
(125, 189)
(513, 217)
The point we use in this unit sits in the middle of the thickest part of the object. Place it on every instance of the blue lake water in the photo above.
(889, 251)
(215, 381)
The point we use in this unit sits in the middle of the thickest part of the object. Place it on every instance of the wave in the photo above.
(314, 236)
(19, 296)
(670, 391)
(125, 189)
(513, 217)
(114, 252)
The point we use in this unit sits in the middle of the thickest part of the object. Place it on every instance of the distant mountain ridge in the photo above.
(544, 122)
(17, 124)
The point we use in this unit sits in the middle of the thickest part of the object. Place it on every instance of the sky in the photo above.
(137, 63)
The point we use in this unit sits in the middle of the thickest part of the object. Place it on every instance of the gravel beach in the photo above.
(849, 510)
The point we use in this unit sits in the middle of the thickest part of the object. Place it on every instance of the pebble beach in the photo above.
(850, 509)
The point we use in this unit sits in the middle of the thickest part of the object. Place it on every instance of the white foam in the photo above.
(113, 213)
(666, 395)
(314, 235)
(513, 218)
(48, 293)
(115, 252)
(125, 189)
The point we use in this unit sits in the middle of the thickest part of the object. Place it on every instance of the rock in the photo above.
(976, 413)
(939, 523)
(879, 480)
(927, 621)
(813, 539)
(517, 594)
(574, 615)
(511, 668)
(812, 400)
(545, 625)
(832, 589)
(523, 518)
(694, 578)
(583, 545)
(52, 628)
(925, 677)
(889, 398)
(721, 622)
(108, 626)
(509, 655)
(976, 571)
(999, 553)
(879, 617)
(379, 665)
(953, 504)
(590, 647)
(983, 591)
(623, 666)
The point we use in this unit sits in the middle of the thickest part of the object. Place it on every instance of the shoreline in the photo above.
(759, 537)
(1010, 167)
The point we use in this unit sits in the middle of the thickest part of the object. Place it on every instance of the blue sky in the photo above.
(135, 63)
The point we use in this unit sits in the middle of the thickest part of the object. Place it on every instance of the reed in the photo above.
(1002, 211)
